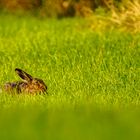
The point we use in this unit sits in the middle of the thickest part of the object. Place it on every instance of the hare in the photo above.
(28, 85)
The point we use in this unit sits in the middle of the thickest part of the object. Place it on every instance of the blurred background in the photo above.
(60, 8)
(124, 14)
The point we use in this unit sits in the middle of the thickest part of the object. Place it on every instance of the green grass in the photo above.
(93, 81)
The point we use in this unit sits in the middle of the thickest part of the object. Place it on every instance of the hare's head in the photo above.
(31, 84)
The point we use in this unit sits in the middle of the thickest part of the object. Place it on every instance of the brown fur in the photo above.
(28, 85)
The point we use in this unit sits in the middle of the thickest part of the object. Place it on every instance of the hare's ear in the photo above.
(23, 75)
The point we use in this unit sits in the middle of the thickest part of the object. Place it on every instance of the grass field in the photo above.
(93, 81)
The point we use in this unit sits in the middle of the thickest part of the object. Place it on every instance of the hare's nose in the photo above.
(45, 87)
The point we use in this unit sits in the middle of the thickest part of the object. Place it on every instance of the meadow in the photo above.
(93, 80)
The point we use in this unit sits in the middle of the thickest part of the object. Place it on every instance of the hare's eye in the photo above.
(36, 82)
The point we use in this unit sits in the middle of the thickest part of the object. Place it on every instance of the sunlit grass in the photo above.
(93, 81)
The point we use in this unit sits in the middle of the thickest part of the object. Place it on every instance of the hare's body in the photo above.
(28, 85)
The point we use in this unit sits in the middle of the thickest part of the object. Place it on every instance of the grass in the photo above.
(93, 81)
